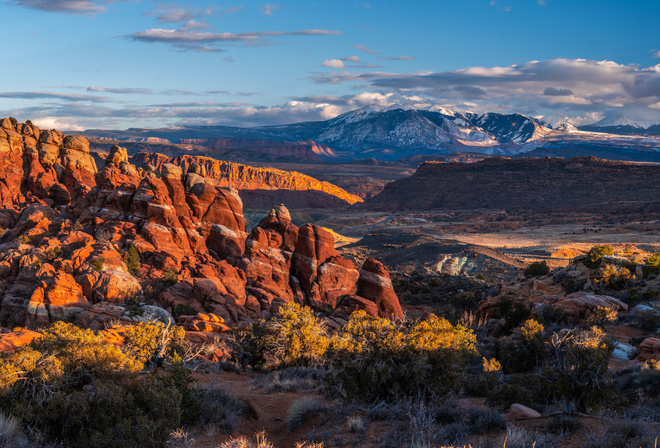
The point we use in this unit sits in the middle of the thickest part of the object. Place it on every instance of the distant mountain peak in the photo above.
(626, 120)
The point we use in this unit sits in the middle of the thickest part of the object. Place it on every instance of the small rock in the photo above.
(517, 411)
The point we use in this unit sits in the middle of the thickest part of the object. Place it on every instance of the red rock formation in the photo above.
(650, 349)
(11, 340)
(375, 285)
(243, 177)
(71, 229)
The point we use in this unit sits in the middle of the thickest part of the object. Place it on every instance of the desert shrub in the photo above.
(11, 430)
(71, 386)
(53, 254)
(435, 282)
(483, 421)
(356, 424)
(480, 383)
(504, 395)
(536, 269)
(596, 254)
(29, 123)
(298, 337)
(183, 310)
(249, 346)
(153, 342)
(379, 361)
(549, 315)
(170, 277)
(519, 437)
(601, 316)
(13, 121)
(525, 353)
(448, 411)
(563, 424)
(613, 277)
(625, 434)
(259, 441)
(571, 285)
(652, 265)
(24, 239)
(97, 265)
(220, 408)
(579, 361)
(132, 259)
(648, 320)
(468, 300)
(301, 410)
(295, 379)
(514, 313)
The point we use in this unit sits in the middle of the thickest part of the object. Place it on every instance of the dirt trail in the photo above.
(271, 410)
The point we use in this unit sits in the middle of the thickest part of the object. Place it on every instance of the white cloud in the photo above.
(186, 39)
(58, 123)
(352, 59)
(656, 54)
(655, 106)
(333, 63)
(174, 13)
(268, 8)
(365, 49)
(64, 6)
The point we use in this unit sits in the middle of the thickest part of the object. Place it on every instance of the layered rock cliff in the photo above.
(580, 184)
(243, 177)
(78, 243)
(308, 150)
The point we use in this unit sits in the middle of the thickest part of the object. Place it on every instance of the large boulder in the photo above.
(116, 287)
(375, 285)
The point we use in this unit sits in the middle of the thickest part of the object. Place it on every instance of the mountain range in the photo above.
(396, 133)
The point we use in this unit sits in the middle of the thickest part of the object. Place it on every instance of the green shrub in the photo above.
(483, 421)
(596, 254)
(601, 316)
(549, 315)
(514, 313)
(578, 368)
(301, 410)
(98, 264)
(652, 265)
(526, 353)
(53, 254)
(249, 346)
(613, 277)
(132, 259)
(13, 121)
(564, 424)
(435, 282)
(536, 269)
(298, 337)
(29, 122)
(154, 342)
(24, 239)
(648, 320)
(380, 362)
(72, 387)
(183, 310)
(170, 277)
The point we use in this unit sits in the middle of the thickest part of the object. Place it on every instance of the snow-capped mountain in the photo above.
(624, 120)
(394, 133)
(558, 123)
(621, 124)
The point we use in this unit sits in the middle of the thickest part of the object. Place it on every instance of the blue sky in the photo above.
(75, 64)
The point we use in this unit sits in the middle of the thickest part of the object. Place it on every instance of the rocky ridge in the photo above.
(308, 150)
(86, 245)
(587, 184)
(243, 177)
